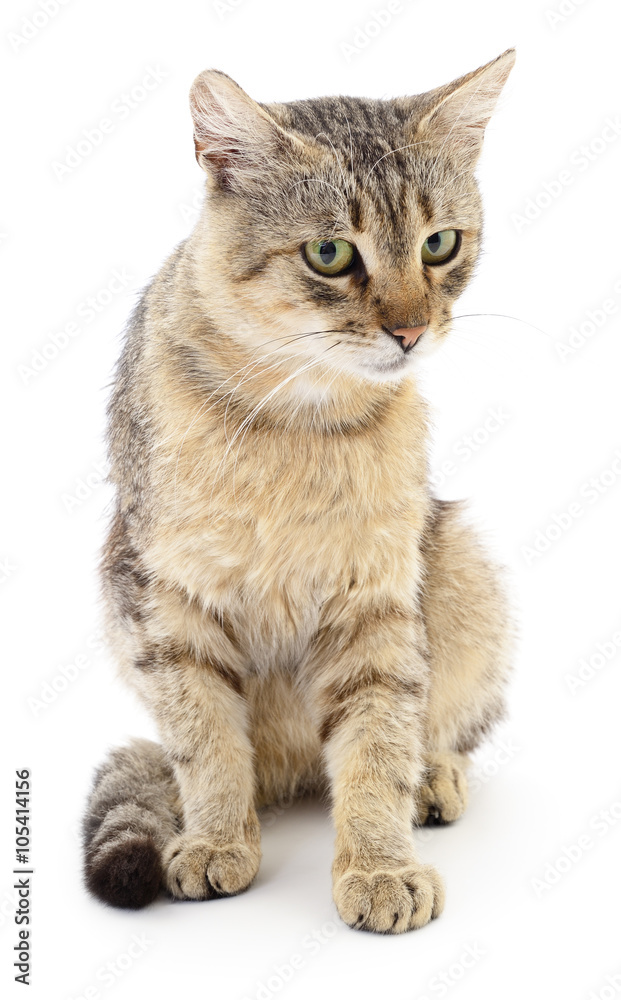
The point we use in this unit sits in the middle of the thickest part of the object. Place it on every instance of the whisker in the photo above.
(516, 319)
(198, 413)
(336, 156)
(320, 180)
(351, 145)
(250, 364)
(249, 378)
(204, 408)
(304, 397)
(287, 424)
(451, 180)
(391, 151)
(291, 418)
(482, 351)
(324, 394)
(247, 420)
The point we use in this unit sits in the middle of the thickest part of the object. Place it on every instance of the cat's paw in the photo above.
(195, 868)
(389, 901)
(443, 796)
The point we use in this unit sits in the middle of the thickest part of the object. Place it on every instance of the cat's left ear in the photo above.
(457, 114)
(234, 137)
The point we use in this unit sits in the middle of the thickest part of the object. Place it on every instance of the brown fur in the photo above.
(282, 590)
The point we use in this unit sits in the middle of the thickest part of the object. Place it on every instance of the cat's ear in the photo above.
(457, 114)
(233, 135)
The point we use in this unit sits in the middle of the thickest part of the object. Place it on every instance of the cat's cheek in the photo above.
(429, 344)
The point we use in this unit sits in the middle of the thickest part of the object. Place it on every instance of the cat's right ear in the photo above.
(233, 136)
(458, 114)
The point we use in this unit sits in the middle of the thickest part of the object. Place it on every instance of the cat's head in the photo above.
(340, 229)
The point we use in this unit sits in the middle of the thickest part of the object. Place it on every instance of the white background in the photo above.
(124, 207)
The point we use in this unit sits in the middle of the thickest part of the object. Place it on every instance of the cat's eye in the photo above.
(329, 256)
(440, 247)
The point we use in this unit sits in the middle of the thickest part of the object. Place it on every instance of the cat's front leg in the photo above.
(369, 681)
(202, 717)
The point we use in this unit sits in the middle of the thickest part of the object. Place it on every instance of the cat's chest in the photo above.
(299, 518)
(304, 534)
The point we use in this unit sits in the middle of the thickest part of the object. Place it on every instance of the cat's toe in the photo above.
(391, 901)
(197, 869)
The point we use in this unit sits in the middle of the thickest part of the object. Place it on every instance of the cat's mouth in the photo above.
(410, 340)
(407, 336)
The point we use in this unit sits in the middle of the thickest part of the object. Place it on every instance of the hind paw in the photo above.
(443, 796)
(196, 868)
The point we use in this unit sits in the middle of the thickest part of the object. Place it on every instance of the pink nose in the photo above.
(409, 334)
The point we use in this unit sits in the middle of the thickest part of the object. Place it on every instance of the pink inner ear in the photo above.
(220, 157)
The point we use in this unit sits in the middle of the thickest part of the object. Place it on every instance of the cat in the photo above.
(289, 600)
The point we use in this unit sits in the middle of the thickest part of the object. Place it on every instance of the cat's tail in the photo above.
(132, 812)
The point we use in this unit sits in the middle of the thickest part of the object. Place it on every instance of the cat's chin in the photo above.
(396, 373)
(394, 370)
(395, 367)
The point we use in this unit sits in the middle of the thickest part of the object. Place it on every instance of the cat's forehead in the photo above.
(362, 129)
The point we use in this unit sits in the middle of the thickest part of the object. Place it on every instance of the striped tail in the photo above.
(132, 812)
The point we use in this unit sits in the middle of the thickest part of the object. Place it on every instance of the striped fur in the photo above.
(282, 590)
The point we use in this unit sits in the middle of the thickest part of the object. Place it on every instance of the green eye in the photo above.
(438, 248)
(329, 256)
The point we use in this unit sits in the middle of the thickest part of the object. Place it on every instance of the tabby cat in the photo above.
(282, 589)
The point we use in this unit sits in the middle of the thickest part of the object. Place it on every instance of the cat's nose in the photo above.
(406, 335)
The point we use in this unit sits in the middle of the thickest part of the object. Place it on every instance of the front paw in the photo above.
(389, 901)
(195, 868)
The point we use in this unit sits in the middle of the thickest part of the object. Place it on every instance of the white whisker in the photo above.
(320, 180)
(245, 423)
(390, 152)
(351, 145)
(287, 424)
(516, 319)
(250, 364)
(336, 156)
